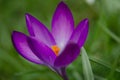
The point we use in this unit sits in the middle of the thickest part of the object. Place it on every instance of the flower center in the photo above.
(55, 49)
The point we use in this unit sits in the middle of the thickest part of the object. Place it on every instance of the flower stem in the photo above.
(63, 74)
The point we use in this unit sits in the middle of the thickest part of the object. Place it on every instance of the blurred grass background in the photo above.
(102, 45)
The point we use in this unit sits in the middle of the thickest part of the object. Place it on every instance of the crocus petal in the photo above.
(62, 24)
(68, 55)
(42, 51)
(20, 43)
(79, 35)
(38, 30)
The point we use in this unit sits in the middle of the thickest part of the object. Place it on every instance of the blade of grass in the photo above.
(112, 72)
(9, 59)
(110, 33)
(75, 73)
(102, 63)
(99, 78)
(87, 70)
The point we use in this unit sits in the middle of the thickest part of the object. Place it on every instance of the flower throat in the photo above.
(55, 49)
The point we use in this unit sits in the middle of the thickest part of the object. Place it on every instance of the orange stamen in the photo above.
(55, 49)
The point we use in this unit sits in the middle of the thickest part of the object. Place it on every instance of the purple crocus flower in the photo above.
(56, 48)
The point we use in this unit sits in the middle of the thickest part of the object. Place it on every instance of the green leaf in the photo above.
(87, 70)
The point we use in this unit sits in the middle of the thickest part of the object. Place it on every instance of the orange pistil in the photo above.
(55, 49)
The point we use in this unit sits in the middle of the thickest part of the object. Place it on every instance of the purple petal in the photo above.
(42, 51)
(68, 55)
(38, 30)
(80, 33)
(20, 43)
(62, 24)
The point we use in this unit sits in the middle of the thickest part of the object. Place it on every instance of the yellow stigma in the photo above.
(55, 49)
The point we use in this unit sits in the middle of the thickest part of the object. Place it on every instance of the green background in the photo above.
(102, 45)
